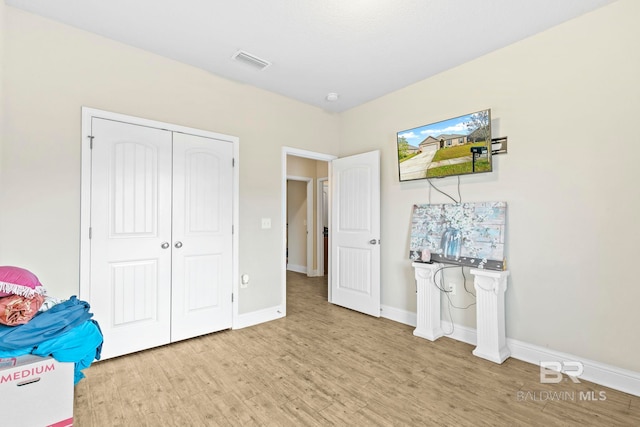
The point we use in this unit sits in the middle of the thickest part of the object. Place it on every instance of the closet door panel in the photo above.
(201, 273)
(202, 236)
(130, 220)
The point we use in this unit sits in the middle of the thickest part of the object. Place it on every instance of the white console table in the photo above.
(490, 287)
(428, 323)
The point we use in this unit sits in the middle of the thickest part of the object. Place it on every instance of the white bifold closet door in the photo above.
(161, 235)
(202, 232)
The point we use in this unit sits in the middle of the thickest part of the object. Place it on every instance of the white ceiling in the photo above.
(360, 49)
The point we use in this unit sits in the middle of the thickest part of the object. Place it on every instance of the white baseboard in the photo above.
(459, 332)
(397, 315)
(302, 269)
(297, 268)
(257, 317)
(599, 373)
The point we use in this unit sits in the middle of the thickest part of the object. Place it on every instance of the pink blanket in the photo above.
(17, 310)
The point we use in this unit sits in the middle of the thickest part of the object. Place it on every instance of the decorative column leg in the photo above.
(428, 299)
(490, 288)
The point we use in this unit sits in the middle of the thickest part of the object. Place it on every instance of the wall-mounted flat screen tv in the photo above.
(457, 146)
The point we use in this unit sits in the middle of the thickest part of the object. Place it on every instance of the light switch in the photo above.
(266, 222)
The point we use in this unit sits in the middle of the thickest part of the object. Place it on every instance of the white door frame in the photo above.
(308, 226)
(319, 228)
(85, 190)
(289, 151)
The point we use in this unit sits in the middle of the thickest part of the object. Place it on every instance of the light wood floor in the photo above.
(326, 365)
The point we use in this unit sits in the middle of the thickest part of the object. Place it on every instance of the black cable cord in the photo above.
(465, 282)
(455, 306)
(442, 289)
(442, 192)
(453, 327)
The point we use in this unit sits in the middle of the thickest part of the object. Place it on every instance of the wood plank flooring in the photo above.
(325, 365)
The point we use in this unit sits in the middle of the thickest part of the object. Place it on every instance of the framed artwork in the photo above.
(469, 234)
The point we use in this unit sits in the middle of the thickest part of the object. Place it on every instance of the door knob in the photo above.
(164, 245)
(374, 241)
(178, 245)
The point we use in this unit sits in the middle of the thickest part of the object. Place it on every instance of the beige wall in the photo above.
(573, 201)
(314, 169)
(322, 169)
(2, 97)
(296, 228)
(52, 70)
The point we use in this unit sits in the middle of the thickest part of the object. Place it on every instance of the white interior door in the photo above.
(202, 236)
(130, 273)
(355, 232)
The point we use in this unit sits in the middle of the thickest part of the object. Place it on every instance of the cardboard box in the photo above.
(37, 392)
(7, 362)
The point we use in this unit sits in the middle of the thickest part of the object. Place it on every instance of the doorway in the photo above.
(299, 224)
(291, 169)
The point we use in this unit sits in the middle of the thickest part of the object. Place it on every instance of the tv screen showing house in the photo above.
(457, 146)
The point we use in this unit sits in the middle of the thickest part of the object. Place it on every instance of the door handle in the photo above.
(178, 245)
(374, 241)
(164, 245)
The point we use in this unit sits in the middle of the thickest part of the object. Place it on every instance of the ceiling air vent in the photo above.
(251, 60)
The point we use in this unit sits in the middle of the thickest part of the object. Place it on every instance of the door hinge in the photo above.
(91, 141)
(90, 232)
(233, 162)
(233, 230)
(231, 297)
